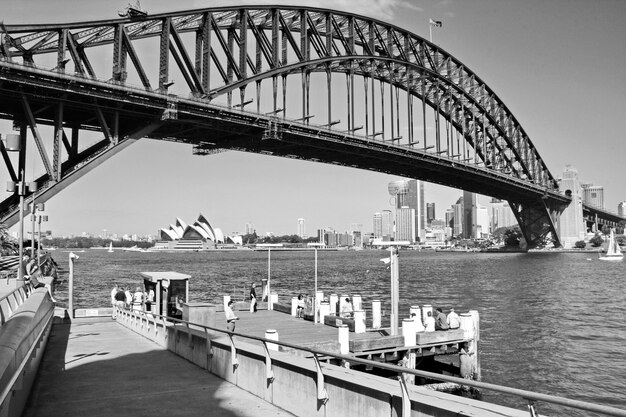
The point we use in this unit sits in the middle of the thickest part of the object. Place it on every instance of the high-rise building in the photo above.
(593, 195)
(430, 213)
(387, 225)
(621, 209)
(249, 229)
(571, 222)
(378, 226)
(405, 224)
(410, 193)
(482, 221)
(469, 215)
(457, 219)
(301, 228)
(501, 215)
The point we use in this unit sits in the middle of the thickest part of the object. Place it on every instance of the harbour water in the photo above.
(553, 323)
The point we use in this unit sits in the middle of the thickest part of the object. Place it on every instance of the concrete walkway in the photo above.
(95, 367)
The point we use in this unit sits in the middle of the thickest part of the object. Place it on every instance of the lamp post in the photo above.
(14, 144)
(40, 219)
(269, 247)
(33, 217)
(395, 280)
(316, 303)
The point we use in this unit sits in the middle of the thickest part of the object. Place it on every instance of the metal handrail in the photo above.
(529, 396)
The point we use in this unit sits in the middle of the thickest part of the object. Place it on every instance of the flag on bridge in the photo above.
(436, 23)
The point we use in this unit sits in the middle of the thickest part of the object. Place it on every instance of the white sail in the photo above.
(111, 247)
(613, 252)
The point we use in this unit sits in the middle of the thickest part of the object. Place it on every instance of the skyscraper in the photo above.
(387, 224)
(621, 209)
(411, 195)
(430, 213)
(501, 215)
(378, 226)
(301, 228)
(405, 224)
(469, 215)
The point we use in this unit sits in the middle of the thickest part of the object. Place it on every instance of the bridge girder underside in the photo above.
(477, 145)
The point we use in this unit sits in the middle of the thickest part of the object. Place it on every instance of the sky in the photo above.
(559, 66)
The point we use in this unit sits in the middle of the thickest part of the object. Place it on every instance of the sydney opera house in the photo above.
(197, 236)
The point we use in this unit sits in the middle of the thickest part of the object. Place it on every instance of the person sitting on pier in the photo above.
(453, 320)
(230, 317)
(441, 322)
(429, 322)
(300, 307)
(346, 309)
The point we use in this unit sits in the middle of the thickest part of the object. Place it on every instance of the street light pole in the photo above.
(14, 144)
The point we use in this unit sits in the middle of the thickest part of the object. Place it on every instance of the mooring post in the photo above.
(376, 314)
(416, 314)
(72, 257)
(333, 304)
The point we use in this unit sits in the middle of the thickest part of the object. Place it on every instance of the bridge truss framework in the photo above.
(405, 106)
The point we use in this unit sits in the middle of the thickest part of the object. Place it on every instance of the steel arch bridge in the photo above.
(320, 85)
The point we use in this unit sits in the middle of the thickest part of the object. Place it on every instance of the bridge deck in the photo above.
(95, 367)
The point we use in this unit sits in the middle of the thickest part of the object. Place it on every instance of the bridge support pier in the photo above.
(537, 222)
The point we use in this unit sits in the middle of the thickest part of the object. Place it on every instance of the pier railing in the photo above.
(148, 325)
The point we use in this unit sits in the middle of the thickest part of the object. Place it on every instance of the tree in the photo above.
(596, 240)
(512, 236)
(580, 244)
(606, 230)
(620, 227)
(8, 245)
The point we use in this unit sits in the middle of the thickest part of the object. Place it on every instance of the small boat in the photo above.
(614, 252)
(111, 247)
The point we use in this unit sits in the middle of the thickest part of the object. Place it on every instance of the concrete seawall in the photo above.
(291, 381)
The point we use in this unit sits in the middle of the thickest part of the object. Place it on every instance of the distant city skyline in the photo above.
(533, 54)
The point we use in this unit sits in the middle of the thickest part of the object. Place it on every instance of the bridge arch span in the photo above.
(462, 125)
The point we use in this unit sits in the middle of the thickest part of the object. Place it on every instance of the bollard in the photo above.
(376, 314)
(226, 300)
(425, 309)
(319, 297)
(344, 339)
(324, 311)
(273, 299)
(356, 302)
(272, 334)
(416, 314)
(333, 304)
(467, 325)
(408, 331)
(294, 306)
(476, 322)
(359, 321)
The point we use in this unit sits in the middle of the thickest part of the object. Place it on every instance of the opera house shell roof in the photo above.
(201, 229)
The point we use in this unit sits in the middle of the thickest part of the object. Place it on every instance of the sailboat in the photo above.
(614, 252)
(111, 247)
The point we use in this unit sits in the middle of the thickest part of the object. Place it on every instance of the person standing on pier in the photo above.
(346, 310)
(252, 298)
(230, 317)
(113, 293)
